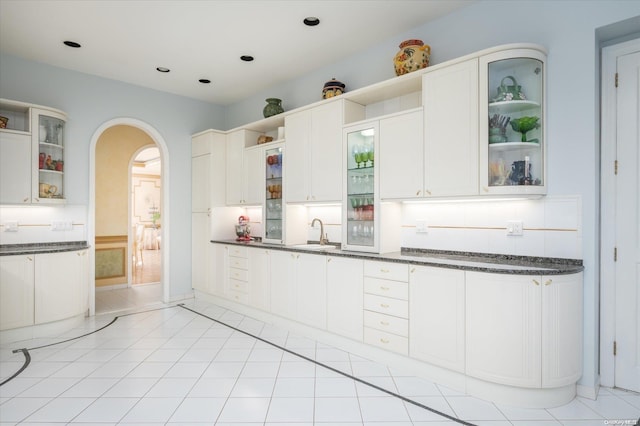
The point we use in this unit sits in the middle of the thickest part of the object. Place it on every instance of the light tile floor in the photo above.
(172, 366)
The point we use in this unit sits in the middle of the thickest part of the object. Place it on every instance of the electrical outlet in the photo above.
(422, 227)
(11, 226)
(514, 227)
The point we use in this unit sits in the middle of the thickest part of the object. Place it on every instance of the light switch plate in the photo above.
(11, 226)
(514, 227)
(422, 226)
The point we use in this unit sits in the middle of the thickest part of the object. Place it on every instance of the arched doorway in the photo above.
(127, 136)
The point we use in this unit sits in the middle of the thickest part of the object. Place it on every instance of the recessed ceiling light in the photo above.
(163, 69)
(246, 58)
(204, 81)
(311, 21)
(72, 44)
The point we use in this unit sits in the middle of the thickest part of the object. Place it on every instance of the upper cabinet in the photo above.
(245, 173)
(512, 122)
(314, 150)
(31, 154)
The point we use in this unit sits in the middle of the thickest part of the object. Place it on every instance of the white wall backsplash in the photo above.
(34, 223)
(552, 226)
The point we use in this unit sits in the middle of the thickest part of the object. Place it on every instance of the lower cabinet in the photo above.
(218, 269)
(524, 330)
(16, 291)
(259, 278)
(436, 319)
(344, 297)
(200, 251)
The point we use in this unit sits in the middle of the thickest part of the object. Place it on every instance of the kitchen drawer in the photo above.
(238, 274)
(237, 296)
(387, 341)
(386, 270)
(238, 286)
(386, 305)
(238, 251)
(387, 323)
(387, 288)
(238, 262)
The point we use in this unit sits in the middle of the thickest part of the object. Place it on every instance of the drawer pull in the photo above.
(384, 305)
(383, 288)
(536, 282)
(385, 323)
(548, 282)
(385, 341)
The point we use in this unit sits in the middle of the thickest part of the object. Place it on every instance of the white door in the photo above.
(627, 268)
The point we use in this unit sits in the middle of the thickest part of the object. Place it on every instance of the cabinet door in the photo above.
(254, 175)
(283, 284)
(259, 279)
(47, 141)
(311, 279)
(296, 166)
(200, 255)
(217, 174)
(219, 269)
(344, 297)
(503, 328)
(436, 309)
(200, 179)
(450, 99)
(401, 156)
(326, 152)
(234, 172)
(15, 168)
(561, 329)
(59, 278)
(16, 291)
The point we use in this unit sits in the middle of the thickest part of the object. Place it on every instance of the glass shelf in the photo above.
(274, 206)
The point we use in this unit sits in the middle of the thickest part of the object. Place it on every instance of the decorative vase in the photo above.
(412, 56)
(332, 88)
(273, 107)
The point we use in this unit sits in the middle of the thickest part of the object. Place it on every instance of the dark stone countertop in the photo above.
(38, 248)
(467, 261)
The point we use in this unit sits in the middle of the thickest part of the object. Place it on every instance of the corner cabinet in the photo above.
(512, 122)
(32, 154)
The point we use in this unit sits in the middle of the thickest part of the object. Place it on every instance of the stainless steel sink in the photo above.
(318, 247)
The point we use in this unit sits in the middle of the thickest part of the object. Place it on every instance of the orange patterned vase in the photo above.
(413, 55)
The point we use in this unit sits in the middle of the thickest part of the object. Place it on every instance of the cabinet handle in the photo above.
(385, 341)
(30, 259)
(485, 189)
(384, 323)
(536, 282)
(412, 270)
(328, 260)
(383, 288)
(37, 200)
(384, 305)
(418, 192)
(427, 191)
(548, 282)
(24, 200)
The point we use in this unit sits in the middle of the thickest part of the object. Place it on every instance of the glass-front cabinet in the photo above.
(49, 137)
(274, 208)
(512, 124)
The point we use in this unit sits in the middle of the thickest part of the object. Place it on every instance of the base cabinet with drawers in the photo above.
(516, 337)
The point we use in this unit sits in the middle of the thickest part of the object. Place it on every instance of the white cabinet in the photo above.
(16, 291)
(299, 288)
(450, 102)
(524, 330)
(244, 169)
(512, 125)
(314, 150)
(437, 313)
(200, 251)
(32, 154)
(402, 156)
(59, 281)
(259, 278)
(237, 283)
(344, 296)
(218, 269)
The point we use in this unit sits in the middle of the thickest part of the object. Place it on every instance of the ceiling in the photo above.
(204, 39)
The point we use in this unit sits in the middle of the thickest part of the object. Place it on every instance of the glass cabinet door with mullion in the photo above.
(359, 205)
(513, 130)
(49, 140)
(274, 210)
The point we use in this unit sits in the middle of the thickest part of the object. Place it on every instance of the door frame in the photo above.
(608, 118)
(164, 179)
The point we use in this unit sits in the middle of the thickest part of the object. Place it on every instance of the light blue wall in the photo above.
(89, 102)
(569, 31)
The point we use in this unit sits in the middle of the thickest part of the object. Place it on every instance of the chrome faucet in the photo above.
(323, 238)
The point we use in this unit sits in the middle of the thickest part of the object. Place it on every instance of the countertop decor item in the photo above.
(525, 124)
(273, 107)
(3, 122)
(412, 56)
(333, 88)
